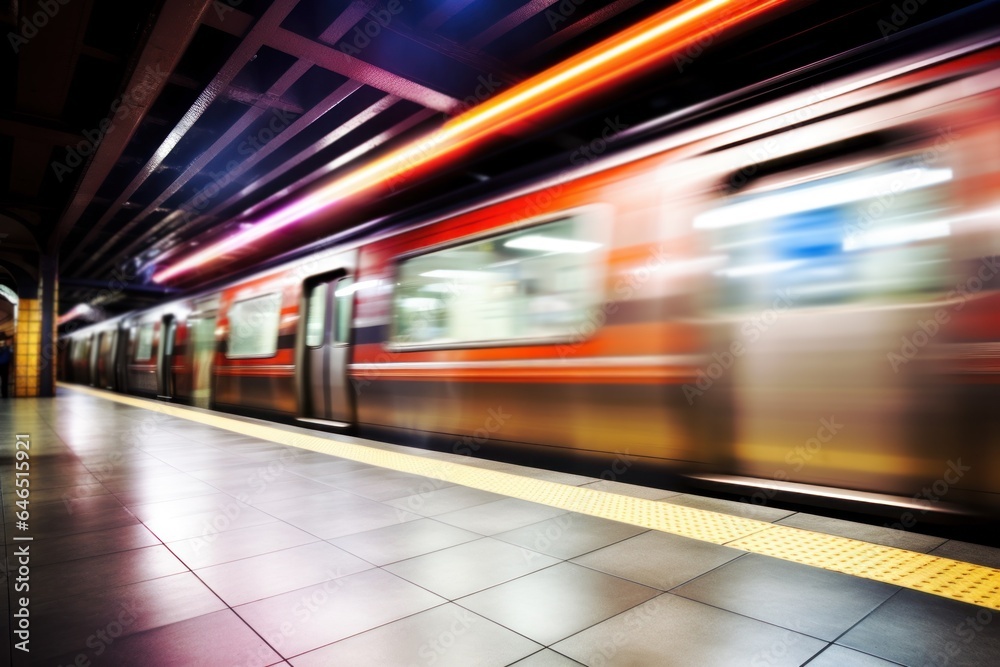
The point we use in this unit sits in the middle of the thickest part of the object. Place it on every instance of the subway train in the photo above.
(800, 296)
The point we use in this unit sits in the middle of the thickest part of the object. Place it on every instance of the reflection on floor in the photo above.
(158, 541)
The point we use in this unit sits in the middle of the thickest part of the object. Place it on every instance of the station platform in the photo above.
(157, 534)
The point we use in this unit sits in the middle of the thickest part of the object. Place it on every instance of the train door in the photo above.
(329, 304)
(121, 357)
(165, 358)
(201, 331)
(818, 292)
(94, 352)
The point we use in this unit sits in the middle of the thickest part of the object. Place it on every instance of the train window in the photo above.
(534, 283)
(872, 233)
(144, 346)
(253, 326)
(316, 318)
(345, 296)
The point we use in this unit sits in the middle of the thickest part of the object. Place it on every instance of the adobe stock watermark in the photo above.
(279, 121)
(899, 17)
(624, 289)
(102, 638)
(31, 24)
(911, 344)
(561, 12)
(910, 173)
(778, 650)
(486, 86)
(436, 647)
(120, 109)
(798, 457)
(309, 603)
(224, 7)
(495, 420)
(763, 151)
(966, 632)
(750, 331)
(375, 21)
(635, 620)
(697, 47)
(933, 493)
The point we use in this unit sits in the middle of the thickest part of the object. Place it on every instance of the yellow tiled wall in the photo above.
(26, 348)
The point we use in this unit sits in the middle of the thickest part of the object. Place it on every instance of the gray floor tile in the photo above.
(311, 505)
(60, 580)
(219, 638)
(746, 510)
(464, 569)
(139, 493)
(355, 518)
(59, 493)
(647, 492)
(889, 537)
(570, 535)
(60, 523)
(308, 618)
(499, 516)
(546, 658)
(217, 548)
(405, 540)
(249, 579)
(168, 509)
(785, 594)
(74, 505)
(445, 636)
(916, 628)
(669, 631)
(95, 543)
(398, 488)
(557, 602)
(325, 468)
(289, 487)
(64, 625)
(203, 524)
(969, 553)
(838, 656)
(434, 502)
(658, 560)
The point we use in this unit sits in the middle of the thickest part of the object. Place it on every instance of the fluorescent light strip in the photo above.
(613, 59)
(551, 244)
(821, 196)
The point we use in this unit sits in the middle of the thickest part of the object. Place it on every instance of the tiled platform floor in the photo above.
(158, 541)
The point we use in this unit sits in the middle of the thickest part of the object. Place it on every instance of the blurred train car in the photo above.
(804, 294)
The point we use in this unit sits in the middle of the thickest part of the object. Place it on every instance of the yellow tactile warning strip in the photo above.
(945, 577)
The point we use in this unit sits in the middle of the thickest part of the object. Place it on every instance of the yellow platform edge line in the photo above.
(957, 580)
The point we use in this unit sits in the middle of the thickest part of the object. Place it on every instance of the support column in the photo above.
(49, 266)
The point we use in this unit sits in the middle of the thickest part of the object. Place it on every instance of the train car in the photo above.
(798, 294)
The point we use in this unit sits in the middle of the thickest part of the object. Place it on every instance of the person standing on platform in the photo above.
(6, 356)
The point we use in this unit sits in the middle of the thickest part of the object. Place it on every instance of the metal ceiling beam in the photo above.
(341, 63)
(511, 21)
(399, 128)
(343, 129)
(268, 23)
(280, 87)
(189, 207)
(174, 29)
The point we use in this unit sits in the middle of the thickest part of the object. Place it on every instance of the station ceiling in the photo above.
(133, 133)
